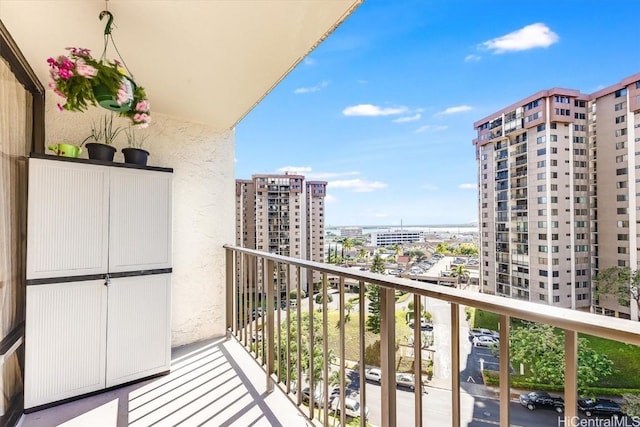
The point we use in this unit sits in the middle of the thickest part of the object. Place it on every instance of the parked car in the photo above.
(373, 374)
(600, 407)
(317, 396)
(485, 341)
(541, 399)
(425, 325)
(351, 407)
(406, 380)
(475, 332)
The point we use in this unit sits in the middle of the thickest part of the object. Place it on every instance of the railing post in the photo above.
(388, 355)
(505, 389)
(268, 282)
(570, 375)
(455, 365)
(312, 338)
(230, 291)
(342, 353)
(325, 350)
(417, 359)
(361, 342)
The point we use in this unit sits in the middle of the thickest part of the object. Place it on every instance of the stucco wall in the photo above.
(204, 212)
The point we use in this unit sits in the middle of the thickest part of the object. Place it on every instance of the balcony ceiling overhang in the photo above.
(200, 61)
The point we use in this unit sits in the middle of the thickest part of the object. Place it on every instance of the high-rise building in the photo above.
(558, 195)
(281, 214)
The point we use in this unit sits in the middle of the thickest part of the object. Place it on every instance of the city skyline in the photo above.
(384, 109)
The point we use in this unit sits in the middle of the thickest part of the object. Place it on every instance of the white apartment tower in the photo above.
(558, 195)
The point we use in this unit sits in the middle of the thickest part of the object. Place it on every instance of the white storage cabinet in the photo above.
(98, 277)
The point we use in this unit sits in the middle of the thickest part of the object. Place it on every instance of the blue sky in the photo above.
(384, 109)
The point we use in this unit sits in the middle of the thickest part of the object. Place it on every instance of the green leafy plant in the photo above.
(133, 138)
(103, 131)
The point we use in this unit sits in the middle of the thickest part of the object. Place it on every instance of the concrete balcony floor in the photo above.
(213, 383)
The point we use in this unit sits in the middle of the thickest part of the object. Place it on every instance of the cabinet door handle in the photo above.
(107, 280)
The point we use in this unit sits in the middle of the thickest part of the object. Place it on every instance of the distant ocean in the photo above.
(460, 229)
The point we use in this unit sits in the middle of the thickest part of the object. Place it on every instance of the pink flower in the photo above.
(141, 118)
(142, 106)
(123, 96)
(65, 74)
(85, 70)
(60, 107)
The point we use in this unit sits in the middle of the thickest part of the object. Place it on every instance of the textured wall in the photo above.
(204, 212)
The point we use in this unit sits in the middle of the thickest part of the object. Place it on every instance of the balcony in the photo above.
(243, 379)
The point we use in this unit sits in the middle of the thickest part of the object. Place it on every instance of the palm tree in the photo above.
(362, 254)
(396, 250)
(460, 271)
(347, 244)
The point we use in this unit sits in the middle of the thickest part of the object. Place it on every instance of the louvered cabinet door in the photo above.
(138, 328)
(65, 341)
(140, 220)
(68, 219)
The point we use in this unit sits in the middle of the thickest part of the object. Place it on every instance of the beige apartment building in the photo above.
(558, 197)
(281, 214)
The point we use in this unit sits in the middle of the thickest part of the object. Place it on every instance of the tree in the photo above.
(347, 244)
(362, 254)
(442, 248)
(318, 298)
(468, 249)
(620, 282)
(461, 272)
(541, 350)
(318, 357)
(373, 293)
(333, 256)
(396, 250)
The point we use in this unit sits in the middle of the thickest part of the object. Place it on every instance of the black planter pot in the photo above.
(99, 151)
(137, 156)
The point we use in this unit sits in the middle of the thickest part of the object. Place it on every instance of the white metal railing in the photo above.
(246, 288)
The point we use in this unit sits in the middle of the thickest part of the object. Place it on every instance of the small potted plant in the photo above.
(103, 134)
(134, 153)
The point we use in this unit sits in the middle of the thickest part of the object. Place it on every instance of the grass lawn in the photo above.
(353, 336)
(625, 357)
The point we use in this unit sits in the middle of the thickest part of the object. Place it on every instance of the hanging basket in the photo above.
(109, 100)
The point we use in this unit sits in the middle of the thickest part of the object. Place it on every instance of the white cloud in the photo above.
(372, 110)
(408, 118)
(309, 61)
(469, 186)
(431, 128)
(380, 215)
(529, 37)
(311, 89)
(294, 169)
(358, 185)
(472, 58)
(362, 82)
(329, 198)
(455, 110)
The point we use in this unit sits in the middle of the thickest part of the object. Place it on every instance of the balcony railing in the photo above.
(272, 338)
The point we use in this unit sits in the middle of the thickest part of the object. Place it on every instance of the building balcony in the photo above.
(251, 375)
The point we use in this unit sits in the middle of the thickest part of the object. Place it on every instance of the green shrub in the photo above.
(294, 294)
(318, 298)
